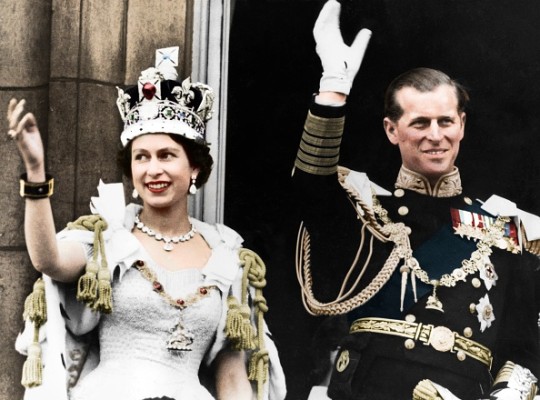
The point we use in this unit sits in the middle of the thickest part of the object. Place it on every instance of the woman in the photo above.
(163, 291)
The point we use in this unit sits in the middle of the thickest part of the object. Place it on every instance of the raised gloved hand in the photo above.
(340, 62)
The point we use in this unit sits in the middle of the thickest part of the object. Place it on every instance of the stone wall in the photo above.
(65, 57)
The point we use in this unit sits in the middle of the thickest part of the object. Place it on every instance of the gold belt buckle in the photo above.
(441, 338)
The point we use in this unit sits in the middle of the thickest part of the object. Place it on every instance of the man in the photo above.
(441, 292)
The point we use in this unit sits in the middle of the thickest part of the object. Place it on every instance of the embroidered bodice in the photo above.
(135, 362)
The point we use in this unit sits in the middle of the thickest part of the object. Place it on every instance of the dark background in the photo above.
(490, 46)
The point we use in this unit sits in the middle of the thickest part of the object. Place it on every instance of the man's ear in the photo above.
(390, 127)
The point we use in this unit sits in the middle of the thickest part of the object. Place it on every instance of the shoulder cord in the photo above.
(94, 286)
(393, 232)
(239, 329)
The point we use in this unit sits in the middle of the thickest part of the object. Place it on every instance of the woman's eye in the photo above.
(139, 157)
(167, 156)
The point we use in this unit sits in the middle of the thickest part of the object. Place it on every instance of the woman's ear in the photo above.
(195, 173)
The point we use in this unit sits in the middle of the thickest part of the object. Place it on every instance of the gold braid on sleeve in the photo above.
(318, 153)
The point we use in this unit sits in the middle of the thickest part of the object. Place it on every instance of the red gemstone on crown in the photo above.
(148, 90)
(157, 286)
(203, 290)
(180, 302)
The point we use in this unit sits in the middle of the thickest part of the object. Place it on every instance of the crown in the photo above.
(159, 103)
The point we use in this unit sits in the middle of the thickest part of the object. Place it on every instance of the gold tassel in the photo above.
(258, 370)
(88, 283)
(94, 287)
(255, 367)
(32, 374)
(35, 306)
(238, 326)
(35, 309)
(247, 335)
(104, 298)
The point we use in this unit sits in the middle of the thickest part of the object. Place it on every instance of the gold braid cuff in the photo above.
(318, 152)
(240, 330)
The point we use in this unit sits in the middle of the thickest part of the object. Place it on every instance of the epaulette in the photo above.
(245, 324)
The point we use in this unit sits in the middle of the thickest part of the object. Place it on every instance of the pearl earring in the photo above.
(135, 194)
(192, 187)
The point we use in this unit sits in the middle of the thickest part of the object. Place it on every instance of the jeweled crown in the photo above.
(161, 104)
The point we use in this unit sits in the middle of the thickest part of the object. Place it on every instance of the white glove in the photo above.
(340, 62)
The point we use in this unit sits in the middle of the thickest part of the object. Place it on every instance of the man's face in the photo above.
(429, 131)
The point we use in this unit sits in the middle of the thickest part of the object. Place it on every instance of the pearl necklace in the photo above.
(168, 246)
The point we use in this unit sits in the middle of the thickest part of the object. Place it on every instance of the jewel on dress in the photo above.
(181, 338)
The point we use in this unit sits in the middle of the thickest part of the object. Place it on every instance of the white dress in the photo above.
(134, 362)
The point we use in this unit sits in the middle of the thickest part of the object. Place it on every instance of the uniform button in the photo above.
(399, 192)
(467, 332)
(476, 283)
(403, 210)
(467, 200)
(472, 308)
(409, 344)
(410, 318)
(461, 355)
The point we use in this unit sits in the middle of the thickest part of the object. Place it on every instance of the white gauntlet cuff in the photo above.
(514, 382)
(335, 82)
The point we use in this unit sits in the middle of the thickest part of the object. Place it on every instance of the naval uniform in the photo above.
(471, 328)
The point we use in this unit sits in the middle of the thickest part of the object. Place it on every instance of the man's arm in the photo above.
(319, 148)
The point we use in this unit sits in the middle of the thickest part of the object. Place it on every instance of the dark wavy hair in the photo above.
(198, 155)
(423, 80)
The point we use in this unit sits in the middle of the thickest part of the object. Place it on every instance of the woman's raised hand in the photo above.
(23, 129)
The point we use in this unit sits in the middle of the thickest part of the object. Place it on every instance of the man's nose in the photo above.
(434, 131)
